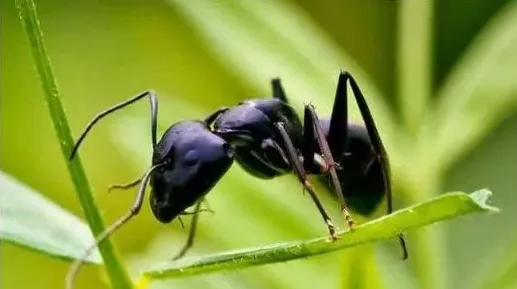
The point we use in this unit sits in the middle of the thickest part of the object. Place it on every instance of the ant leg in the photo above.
(192, 232)
(187, 213)
(337, 137)
(208, 209)
(309, 148)
(181, 222)
(302, 176)
(278, 90)
(154, 115)
(125, 186)
(377, 145)
(133, 211)
(311, 121)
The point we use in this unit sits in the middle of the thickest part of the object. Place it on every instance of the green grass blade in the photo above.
(32, 221)
(414, 66)
(29, 18)
(444, 207)
(480, 92)
(415, 22)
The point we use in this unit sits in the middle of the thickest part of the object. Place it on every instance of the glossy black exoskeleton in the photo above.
(250, 128)
(267, 139)
(361, 174)
(197, 160)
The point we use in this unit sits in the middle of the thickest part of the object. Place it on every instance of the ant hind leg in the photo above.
(302, 177)
(313, 130)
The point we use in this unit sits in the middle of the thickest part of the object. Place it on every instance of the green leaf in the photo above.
(32, 221)
(444, 207)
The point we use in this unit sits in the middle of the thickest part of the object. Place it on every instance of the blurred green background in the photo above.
(456, 131)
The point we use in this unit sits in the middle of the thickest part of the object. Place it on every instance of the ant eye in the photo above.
(190, 158)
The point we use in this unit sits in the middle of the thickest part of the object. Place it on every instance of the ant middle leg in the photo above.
(302, 177)
(313, 131)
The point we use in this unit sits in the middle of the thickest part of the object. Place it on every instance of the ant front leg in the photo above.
(302, 176)
(192, 231)
(137, 204)
(133, 211)
(313, 131)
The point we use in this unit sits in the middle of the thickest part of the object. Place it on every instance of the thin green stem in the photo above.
(27, 11)
(414, 60)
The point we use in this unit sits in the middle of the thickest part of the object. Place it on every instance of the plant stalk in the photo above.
(414, 47)
(117, 273)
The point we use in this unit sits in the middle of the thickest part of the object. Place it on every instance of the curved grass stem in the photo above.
(27, 12)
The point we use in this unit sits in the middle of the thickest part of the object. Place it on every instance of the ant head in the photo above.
(198, 159)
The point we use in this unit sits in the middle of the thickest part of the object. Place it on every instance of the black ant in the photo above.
(266, 137)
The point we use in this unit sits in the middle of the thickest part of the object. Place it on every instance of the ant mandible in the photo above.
(266, 137)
